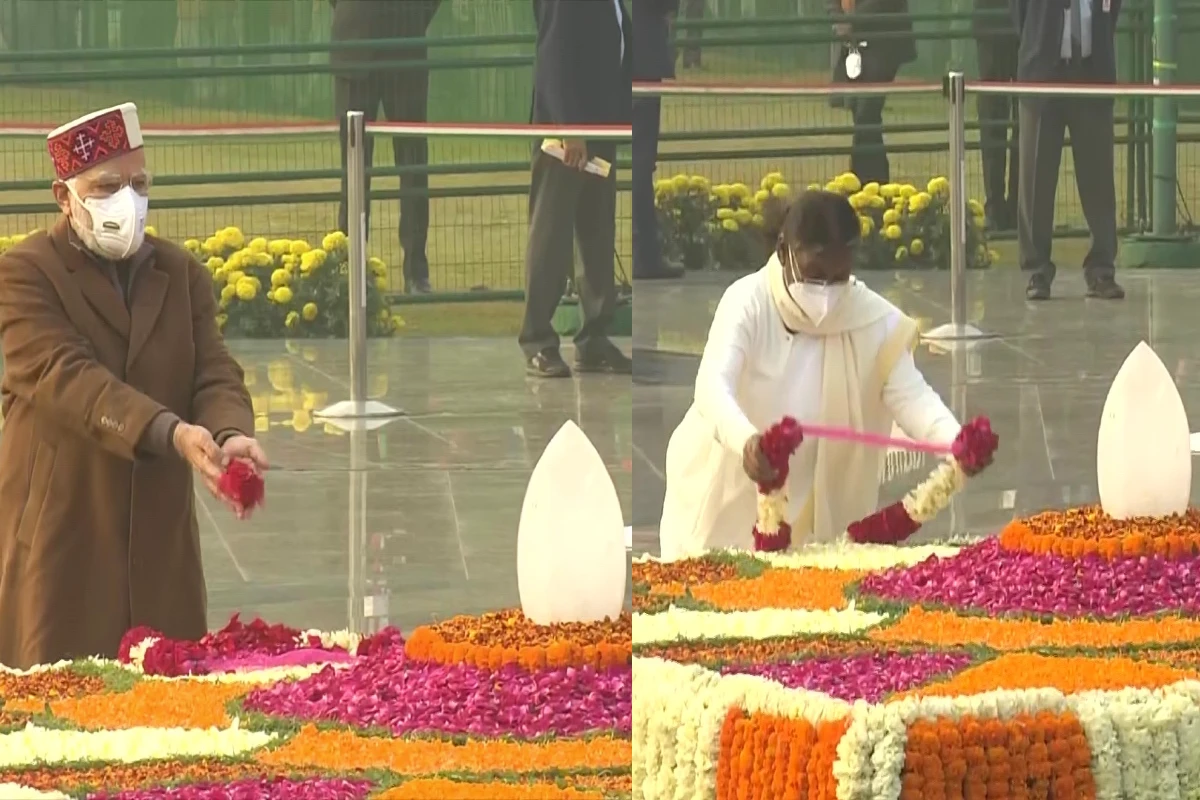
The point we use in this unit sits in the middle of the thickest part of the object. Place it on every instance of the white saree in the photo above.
(764, 360)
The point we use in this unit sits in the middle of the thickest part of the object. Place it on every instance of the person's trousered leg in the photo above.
(554, 192)
(647, 248)
(360, 93)
(1090, 120)
(407, 100)
(596, 234)
(1042, 131)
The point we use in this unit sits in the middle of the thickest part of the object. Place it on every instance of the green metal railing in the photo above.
(266, 61)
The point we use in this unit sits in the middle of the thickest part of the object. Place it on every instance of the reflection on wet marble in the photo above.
(1042, 381)
(411, 522)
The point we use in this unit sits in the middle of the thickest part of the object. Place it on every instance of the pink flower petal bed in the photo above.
(257, 711)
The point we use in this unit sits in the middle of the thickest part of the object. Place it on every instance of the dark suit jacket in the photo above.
(356, 20)
(579, 77)
(653, 53)
(992, 22)
(1040, 26)
(899, 47)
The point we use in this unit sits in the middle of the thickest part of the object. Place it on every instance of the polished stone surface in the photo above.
(1043, 381)
(414, 521)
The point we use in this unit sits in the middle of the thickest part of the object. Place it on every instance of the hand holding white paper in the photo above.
(571, 557)
(853, 64)
(1143, 451)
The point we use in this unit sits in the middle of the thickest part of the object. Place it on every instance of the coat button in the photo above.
(120, 427)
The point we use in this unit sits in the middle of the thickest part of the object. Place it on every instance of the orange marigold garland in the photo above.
(507, 637)
(765, 757)
(1078, 532)
(1029, 756)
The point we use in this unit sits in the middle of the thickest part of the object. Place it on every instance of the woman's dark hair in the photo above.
(816, 221)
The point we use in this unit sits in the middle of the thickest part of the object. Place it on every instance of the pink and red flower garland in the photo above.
(772, 532)
(972, 452)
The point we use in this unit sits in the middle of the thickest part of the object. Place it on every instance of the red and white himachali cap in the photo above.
(94, 138)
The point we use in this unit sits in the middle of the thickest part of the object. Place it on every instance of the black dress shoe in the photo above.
(1038, 289)
(603, 357)
(547, 364)
(417, 286)
(1105, 289)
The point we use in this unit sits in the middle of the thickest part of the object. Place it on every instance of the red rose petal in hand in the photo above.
(242, 484)
(974, 446)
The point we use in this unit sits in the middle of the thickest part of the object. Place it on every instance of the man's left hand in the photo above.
(247, 449)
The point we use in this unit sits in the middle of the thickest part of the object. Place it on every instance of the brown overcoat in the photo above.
(97, 524)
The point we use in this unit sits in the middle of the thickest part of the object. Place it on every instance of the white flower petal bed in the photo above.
(676, 624)
(33, 744)
(1144, 744)
(15, 791)
(692, 725)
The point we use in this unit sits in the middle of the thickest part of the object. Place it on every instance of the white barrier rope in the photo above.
(37, 130)
(781, 90)
(669, 89)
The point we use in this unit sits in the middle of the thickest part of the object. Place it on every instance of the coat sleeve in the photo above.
(51, 366)
(563, 66)
(916, 407)
(220, 401)
(725, 353)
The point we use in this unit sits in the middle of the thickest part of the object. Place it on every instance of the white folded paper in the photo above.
(595, 165)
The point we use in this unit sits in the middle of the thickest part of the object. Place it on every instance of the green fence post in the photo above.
(1166, 114)
(1164, 246)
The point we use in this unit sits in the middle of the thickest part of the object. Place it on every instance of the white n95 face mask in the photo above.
(118, 223)
(817, 300)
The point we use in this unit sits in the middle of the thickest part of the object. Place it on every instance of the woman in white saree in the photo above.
(801, 338)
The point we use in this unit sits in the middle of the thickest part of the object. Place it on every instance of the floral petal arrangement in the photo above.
(283, 288)
(1060, 659)
(471, 707)
(720, 225)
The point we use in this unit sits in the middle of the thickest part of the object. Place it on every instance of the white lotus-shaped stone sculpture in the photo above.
(571, 557)
(1143, 452)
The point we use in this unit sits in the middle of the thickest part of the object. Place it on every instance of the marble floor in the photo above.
(411, 522)
(1042, 381)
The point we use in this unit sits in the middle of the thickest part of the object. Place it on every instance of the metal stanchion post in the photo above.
(358, 407)
(957, 329)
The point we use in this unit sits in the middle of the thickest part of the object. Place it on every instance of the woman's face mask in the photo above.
(816, 298)
(118, 222)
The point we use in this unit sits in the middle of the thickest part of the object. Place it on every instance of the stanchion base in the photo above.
(950, 332)
(363, 409)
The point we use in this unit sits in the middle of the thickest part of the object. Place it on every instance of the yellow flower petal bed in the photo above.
(750, 681)
(310, 715)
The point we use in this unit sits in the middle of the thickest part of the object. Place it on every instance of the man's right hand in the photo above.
(575, 153)
(197, 447)
(754, 461)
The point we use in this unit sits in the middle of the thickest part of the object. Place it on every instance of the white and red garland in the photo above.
(970, 454)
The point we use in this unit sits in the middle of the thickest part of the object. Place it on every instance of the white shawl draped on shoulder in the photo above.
(764, 359)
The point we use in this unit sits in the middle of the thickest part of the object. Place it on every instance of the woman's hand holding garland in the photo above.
(766, 460)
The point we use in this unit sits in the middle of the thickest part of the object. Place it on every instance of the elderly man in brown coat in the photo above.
(116, 385)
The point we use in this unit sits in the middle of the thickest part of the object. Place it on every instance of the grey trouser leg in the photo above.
(1043, 128)
(1090, 121)
(566, 206)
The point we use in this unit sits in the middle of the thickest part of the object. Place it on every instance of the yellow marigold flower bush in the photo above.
(902, 225)
(269, 288)
(282, 288)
